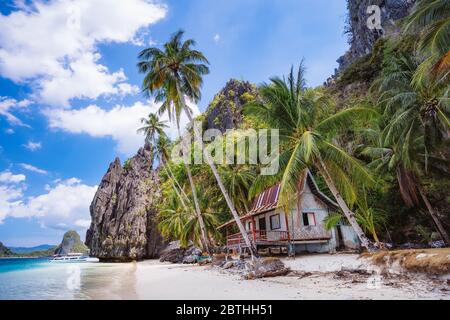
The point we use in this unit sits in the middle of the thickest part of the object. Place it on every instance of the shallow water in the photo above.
(41, 279)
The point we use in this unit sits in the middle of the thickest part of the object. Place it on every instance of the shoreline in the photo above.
(151, 279)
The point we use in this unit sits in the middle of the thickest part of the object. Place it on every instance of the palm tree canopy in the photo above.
(430, 19)
(153, 127)
(301, 114)
(172, 71)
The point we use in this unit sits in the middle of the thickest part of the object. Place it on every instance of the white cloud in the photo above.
(32, 168)
(11, 191)
(33, 146)
(216, 38)
(61, 37)
(9, 131)
(83, 223)
(10, 196)
(8, 177)
(119, 123)
(65, 205)
(7, 104)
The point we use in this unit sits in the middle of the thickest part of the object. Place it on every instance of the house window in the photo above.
(309, 219)
(275, 222)
(249, 226)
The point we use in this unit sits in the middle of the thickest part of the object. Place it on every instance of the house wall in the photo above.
(349, 237)
(267, 216)
(305, 238)
(309, 203)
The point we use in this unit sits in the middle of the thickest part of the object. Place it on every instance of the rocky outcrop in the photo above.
(123, 210)
(71, 243)
(4, 251)
(225, 111)
(361, 37)
(175, 253)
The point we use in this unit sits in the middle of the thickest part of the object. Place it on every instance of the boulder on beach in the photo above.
(266, 267)
(176, 253)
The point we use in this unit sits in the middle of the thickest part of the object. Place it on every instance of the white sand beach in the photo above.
(317, 279)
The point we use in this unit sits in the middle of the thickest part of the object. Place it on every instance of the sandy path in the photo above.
(154, 280)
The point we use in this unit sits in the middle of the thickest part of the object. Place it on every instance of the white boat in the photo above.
(73, 257)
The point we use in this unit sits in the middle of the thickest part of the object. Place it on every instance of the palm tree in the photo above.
(162, 147)
(171, 75)
(238, 180)
(407, 159)
(405, 102)
(431, 20)
(305, 142)
(153, 127)
(416, 124)
(154, 134)
(176, 222)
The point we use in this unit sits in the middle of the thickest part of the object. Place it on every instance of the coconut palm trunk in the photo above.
(195, 198)
(175, 188)
(230, 204)
(350, 215)
(439, 226)
(172, 177)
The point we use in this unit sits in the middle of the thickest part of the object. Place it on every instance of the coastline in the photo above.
(315, 276)
(154, 280)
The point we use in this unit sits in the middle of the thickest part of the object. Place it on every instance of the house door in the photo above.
(262, 223)
(262, 228)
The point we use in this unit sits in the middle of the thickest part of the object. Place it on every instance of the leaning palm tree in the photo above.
(154, 134)
(171, 75)
(306, 142)
(407, 159)
(416, 124)
(162, 147)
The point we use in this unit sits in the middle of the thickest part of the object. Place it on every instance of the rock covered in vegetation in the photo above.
(361, 37)
(123, 211)
(175, 253)
(225, 111)
(71, 243)
(4, 251)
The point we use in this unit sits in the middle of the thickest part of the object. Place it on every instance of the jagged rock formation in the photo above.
(71, 243)
(123, 211)
(4, 251)
(225, 111)
(361, 37)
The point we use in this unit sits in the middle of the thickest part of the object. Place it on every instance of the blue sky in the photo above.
(69, 88)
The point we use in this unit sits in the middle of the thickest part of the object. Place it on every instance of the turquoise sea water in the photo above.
(38, 278)
(17, 264)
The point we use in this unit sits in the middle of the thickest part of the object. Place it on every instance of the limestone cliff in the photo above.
(361, 37)
(4, 251)
(225, 111)
(123, 211)
(71, 243)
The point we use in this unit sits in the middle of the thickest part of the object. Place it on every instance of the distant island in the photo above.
(71, 243)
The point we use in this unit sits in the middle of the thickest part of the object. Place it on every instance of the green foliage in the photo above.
(247, 97)
(364, 69)
(379, 149)
(127, 164)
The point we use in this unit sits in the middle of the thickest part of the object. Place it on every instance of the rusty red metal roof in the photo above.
(266, 200)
